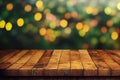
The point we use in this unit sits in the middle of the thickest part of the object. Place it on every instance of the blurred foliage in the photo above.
(59, 24)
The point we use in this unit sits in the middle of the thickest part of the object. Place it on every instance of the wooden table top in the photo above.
(59, 62)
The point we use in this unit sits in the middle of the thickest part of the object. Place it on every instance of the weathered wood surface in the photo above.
(59, 62)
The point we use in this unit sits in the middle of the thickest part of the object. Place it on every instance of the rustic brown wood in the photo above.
(13, 70)
(13, 59)
(89, 67)
(8, 56)
(60, 63)
(4, 52)
(115, 67)
(38, 69)
(64, 64)
(51, 68)
(103, 68)
(26, 69)
(114, 56)
(76, 65)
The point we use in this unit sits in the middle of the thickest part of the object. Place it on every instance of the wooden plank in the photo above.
(13, 70)
(117, 52)
(114, 56)
(4, 52)
(103, 68)
(115, 67)
(76, 65)
(38, 69)
(13, 59)
(8, 56)
(26, 69)
(89, 67)
(64, 64)
(51, 68)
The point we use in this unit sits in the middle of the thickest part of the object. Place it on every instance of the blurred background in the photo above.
(59, 24)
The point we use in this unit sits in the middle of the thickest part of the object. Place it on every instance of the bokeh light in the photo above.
(28, 8)
(114, 35)
(20, 22)
(9, 6)
(118, 6)
(38, 16)
(79, 26)
(108, 10)
(2, 23)
(42, 31)
(61, 24)
(8, 26)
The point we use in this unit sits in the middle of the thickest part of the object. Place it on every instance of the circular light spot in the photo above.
(2, 24)
(39, 4)
(67, 30)
(52, 25)
(63, 23)
(38, 16)
(42, 31)
(82, 33)
(86, 28)
(20, 22)
(9, 6)
(118, 6)
(8, 26)
(28, 8)
(103, 29)
(109, 23)
(89, 10)
(79, 26)
(108, 10)
(67, 15)
(114, 35)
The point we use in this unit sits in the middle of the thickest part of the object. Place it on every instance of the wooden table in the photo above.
(60, 63)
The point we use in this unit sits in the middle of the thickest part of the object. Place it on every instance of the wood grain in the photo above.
(103, 68)
(26, 69)
(89, 67)
(38, 69)
(76, 65)
(111, 63)
(13, 70)
(52, 66)
(64, 64)
(60, 63)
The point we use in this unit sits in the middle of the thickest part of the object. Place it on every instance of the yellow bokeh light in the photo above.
(89, 10)
(20, 22)
(82, 33)
(63, 23)
(79, 26)
(86, 28)
(114, 35)
(8, 26)
(28, 8)
(38, 16)
(108, 10)
(67, 30)
(42, 31)
(39, 4)
(118, 6)
(52, 25)
(109, 23)
(2, 24)
(9, 6)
